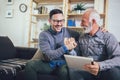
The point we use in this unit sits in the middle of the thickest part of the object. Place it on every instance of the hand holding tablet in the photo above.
(77, 62)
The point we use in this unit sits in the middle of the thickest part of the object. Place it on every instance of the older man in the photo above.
(102, 47)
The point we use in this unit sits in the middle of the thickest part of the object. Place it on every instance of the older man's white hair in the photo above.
(95, 15)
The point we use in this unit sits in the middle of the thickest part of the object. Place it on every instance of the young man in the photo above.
(102, 46)
(52, 46)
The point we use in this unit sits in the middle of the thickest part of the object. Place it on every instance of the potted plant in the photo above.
(80, 7)
(45, 27)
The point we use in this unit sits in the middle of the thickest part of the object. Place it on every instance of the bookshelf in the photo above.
(39, 10)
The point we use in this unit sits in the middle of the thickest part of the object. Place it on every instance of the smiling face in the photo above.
(86, 23)
(57, 22)
(90, 21)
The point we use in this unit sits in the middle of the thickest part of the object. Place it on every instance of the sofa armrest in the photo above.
(25, 52)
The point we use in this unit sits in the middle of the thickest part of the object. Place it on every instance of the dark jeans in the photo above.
(35, 67)
(111, 74)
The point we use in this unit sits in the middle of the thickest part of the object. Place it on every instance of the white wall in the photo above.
(114, 18)
(17, 27)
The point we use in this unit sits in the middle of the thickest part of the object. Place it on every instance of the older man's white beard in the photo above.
(88, 29)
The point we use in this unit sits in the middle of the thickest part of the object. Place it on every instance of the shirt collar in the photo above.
(98, 33)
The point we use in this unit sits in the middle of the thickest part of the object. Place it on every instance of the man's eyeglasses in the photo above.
(58, 21)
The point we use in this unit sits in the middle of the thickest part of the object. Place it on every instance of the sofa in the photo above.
(13, 59)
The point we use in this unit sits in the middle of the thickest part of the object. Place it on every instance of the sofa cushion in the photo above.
(7, 49)
(11, 67)
(5, 77)
(37, 55)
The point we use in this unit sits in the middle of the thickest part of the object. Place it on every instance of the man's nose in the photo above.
(59, 23)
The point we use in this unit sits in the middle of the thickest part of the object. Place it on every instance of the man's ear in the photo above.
(93, 21)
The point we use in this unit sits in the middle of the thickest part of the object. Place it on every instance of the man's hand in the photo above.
(104, 30)
(70, 43)
(92, 68)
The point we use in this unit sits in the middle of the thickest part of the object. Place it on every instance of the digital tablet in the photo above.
(77, 62)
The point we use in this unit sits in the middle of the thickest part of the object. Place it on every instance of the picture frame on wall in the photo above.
(9, 13)
(9, 2)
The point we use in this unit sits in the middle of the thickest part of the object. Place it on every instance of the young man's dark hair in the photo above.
(54, 11)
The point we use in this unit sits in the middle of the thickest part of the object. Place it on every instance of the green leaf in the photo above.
(80, 6)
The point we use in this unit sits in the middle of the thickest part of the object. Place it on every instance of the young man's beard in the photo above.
(88, 28)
